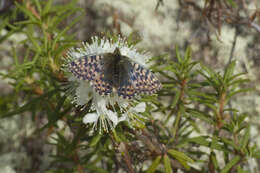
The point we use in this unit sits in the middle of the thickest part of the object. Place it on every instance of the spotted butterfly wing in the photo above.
(138, 81)
(113, 71)
(90, 68)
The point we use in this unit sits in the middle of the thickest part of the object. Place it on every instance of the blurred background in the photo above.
(216, 31)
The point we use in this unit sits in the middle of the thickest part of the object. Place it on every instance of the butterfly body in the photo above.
(111, 72)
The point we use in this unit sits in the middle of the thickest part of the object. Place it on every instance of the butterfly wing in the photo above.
(90, 68)
(137, 81)
(107, 71)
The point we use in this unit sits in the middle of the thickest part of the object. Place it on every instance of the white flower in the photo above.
(139, 108)
(106, 111)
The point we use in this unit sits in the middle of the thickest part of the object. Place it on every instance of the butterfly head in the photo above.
(117, 52)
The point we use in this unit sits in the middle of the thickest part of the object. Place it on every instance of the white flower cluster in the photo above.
(103, 107)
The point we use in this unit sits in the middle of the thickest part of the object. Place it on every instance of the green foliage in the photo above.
(172, 142)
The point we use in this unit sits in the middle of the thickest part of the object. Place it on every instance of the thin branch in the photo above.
(77, 162)
(255, 26)
(233, 46)
(159, 2)
(124, 150)
(230, 59)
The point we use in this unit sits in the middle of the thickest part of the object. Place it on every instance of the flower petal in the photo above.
(124, 117)
(140, 107)
(90, 118)
(74, 54)
(82, 93)
(113, 117)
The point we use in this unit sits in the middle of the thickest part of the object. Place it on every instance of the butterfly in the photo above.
(113, 72)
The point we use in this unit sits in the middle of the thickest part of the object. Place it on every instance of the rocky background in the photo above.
(216, 35)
